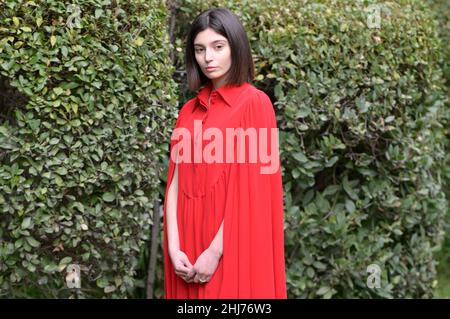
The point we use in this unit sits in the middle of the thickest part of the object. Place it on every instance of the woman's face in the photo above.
(213, 55)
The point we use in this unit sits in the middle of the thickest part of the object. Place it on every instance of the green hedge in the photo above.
(86, 112)
(361, 116)
(441, 11)
(87, 100)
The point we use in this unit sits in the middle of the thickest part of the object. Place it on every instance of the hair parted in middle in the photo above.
(227, 24)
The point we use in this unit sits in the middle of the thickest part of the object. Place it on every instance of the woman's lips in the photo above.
(212, 68)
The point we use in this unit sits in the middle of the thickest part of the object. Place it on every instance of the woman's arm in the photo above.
(207, 263)
(216, 245)
(172, 225)
(180, 261)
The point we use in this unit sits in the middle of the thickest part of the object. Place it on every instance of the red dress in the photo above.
(231, 190)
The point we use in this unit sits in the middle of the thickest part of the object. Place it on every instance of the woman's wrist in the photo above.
(173, 248)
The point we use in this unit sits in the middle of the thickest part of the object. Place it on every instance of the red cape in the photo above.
(251, 205)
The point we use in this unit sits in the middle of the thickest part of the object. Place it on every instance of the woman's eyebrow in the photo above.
(201, 45)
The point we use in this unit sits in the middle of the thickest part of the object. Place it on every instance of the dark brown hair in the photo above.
(227, 24)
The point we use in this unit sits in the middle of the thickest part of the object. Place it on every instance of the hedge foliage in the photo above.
(360, 112)
(441, 11)
(87, 100)
(87, 107)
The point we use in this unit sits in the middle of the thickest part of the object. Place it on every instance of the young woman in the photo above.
(223, 207)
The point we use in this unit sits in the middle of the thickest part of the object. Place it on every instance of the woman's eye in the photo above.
(218, 47)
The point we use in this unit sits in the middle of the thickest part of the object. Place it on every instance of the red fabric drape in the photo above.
(249, 202)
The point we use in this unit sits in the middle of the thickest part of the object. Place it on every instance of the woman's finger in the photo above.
(184, 276)
(189, 280)
(190, 276)
(198, 279)
(182, 268)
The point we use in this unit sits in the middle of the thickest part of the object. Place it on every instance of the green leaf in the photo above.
(323, 290)
(65, 261)
(79, 206)
(319, 265)
(300, 157)
(331, 190)
(139, 192)
(109, 289)
(33, 242)
(50, 268)
(348, 189)
(310, 272)
(4, 131)
(389, 119)
(54, 141)
(98, 13)
(26, 223)
(108, 197)
(303, 112)
(64, 51)
(362, 104)
(75, 123)
(68, 139)
(34, 124)
(61, 171)
(332, 161)
(53, 40)
(58, 180)
(139, 41)
(58, 90)
(102, 282)
(302, 92)
(295, 173)
(322, 204)
(69, 85)
(16, 21)
(308, 197)
(350, 206)
(329, 294)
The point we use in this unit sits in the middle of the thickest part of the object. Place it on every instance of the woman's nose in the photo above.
(208, 55)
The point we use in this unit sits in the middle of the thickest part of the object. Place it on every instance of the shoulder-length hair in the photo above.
(227, 24)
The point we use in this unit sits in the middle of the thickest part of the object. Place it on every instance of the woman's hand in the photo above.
(205, 266)
(182, 265)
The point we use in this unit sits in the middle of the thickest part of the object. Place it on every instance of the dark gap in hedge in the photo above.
(10, 100)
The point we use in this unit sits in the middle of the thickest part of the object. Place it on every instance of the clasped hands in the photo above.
(201, 271)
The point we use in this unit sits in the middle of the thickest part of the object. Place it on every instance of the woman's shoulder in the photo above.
(258, 109)
(259, 99)
(188, 105)
(250, 96)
